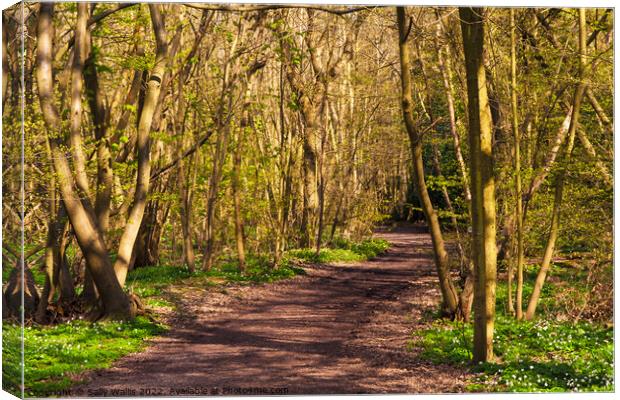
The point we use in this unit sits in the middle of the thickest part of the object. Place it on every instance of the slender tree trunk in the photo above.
(64, 283)
(449, 294)
(559, 187)
(598, 109)
(51, 256)
(186, 183)
(185, 179)
(517, 172)
(105, 177)
(236, 189)
(219, 158)
(311, 198)
(482, 182)
(114, 301)
(321, 198)
(445, 68)
(134, 221)
(79, 55)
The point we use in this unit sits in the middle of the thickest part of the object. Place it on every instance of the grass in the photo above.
(342, 250)
(532, 356)
(150, 282)
(54, 355)
(543, 355)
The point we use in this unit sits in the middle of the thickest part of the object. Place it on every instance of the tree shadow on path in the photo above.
(340, 329)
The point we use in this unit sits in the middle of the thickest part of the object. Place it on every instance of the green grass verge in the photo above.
(53, 355)
(342, 250)
(532, 356)
(150, 282)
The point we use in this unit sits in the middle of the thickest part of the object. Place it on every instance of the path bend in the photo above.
(338, 330)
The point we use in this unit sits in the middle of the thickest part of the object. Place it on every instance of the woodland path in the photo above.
(339, 329)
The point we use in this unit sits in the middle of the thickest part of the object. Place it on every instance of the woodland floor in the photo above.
(338, 329)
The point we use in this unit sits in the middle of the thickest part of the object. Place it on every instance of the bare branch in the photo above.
(266, 7)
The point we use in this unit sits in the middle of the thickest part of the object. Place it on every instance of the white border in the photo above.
(505, 3)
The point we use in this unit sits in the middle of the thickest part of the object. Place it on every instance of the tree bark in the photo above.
(517, 172)
(236, 189)
(482, 182)
(598, 109)
(77, 68)
(114, 301)
(449, 294)
(136, 214)
(561, 177)
(105, 177)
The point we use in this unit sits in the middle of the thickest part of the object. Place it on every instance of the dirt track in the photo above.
(340, 329)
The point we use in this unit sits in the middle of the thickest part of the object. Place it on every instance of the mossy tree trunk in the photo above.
(482, 183)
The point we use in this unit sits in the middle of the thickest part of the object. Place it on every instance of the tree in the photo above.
(115, 302)
(482, 182)
(517, 172)
(561, 176)
(230, 135)
(448, 292)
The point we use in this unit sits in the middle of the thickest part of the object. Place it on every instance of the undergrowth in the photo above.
(532, 356)
(342, 250)
(54, 355)
(544, 355)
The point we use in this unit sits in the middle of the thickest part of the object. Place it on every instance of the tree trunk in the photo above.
(600, 113)
(446, 72)
(449, 295)
(236, 189)
(79, 55)
(559, 187)
(517, 172)
(136, 214)
(311, 198)
(219, 158)
(482, 183)
(185, 180)
(114, 301)
(50, 258)
(146, 247)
